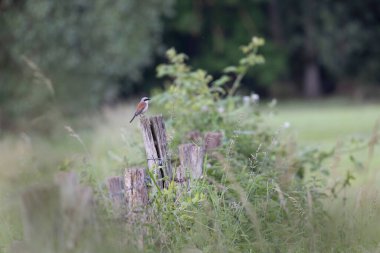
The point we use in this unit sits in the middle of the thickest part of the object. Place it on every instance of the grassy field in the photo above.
(333, 123)
(111, 143)
(326, 122)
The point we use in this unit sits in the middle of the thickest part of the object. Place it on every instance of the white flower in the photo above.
(273, 103)
(246, 100)
(221, 109)
(255, 97)
(204, 108)
(286, 125)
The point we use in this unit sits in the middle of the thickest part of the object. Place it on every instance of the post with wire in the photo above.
(156, 147)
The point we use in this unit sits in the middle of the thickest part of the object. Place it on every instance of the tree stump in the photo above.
(156, 147)
(136, 193)
(194, 136)
(191, 162)
(55, 216)
(41, 219)
(75, 202)
(136, 197)
(19, 247)
(212, 140)
(116, 191)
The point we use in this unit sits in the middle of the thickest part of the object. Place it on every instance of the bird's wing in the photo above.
(140, 108)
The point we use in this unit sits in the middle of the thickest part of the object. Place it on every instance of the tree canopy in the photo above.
(103, 48)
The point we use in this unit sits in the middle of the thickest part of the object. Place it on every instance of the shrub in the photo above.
(255, 196)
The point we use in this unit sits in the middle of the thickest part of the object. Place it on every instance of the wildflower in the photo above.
(273, 103)
(204, 108)
(286, 125)
(221, 109)
(246, 100)
(255, 98)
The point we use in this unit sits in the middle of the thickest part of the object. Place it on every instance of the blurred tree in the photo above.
(349, 39)
(308, 42)
(84, 46)
(338, 36)
(97, 37)
(210, 31)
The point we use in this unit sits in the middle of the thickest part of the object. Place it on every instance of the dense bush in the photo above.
(254, 196)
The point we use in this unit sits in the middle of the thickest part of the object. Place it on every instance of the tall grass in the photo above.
(221, 224)
(261, 190)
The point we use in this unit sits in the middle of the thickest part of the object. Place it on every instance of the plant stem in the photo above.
(236, 84)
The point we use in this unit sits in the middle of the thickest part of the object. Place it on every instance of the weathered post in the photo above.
(136, 197)
(136, 193)
(212, 140)
(55, 216)
(194, 136)
(41, 215)
(116, 191)
(19, 247)
(156, 147)
(75, 202)
(191, 162)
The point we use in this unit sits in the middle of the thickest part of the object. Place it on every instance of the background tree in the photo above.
(86, 47)
(98, 50)
(313, 45)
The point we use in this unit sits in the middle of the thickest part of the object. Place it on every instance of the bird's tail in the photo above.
(132, 118)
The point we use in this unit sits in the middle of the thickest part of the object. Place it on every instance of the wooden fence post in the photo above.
(212, 140)
(41, 214)
(75, 202)
(116, 191)
(156, 147)
(136, 197)
(136, 192)
(191, 162)
(55, 216)
(19, 247)
(194, 137)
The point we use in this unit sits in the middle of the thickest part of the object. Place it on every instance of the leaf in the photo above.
(358, 165)
(230, 69)
(218, 89)
(222, 80)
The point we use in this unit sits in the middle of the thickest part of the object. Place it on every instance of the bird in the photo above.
(141, 107)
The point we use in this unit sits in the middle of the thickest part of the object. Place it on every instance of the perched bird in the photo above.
(141, 107)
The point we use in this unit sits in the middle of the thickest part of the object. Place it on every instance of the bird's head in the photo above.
(145, 99)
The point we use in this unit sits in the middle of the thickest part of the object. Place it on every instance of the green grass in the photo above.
(326, 122)
(334, 124)
(329, 123)
(111, 144)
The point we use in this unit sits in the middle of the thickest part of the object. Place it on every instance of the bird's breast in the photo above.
(146, 108)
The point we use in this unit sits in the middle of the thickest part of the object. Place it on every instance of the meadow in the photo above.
(108, 143)
(297, 176)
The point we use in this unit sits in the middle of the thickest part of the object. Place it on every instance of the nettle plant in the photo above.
(194, 99)
(257, 163)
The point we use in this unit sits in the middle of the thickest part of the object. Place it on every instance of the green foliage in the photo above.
(251, 197)
(254, 162)
(84, 47)
(213, 37)
(99, 38)
(194, 99)
(340, 37)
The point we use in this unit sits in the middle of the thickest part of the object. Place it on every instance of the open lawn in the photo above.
(334, 124)
(326, 122)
